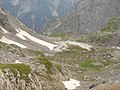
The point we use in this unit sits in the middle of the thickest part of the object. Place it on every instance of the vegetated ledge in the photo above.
(95, 65)
(22, 68)
(47, 63)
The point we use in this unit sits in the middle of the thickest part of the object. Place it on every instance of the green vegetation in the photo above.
(75, 47)
(47, 64)
(94, 65)
(113, 25)
(22, 68)
(76, 57)
(59, 67)
(106, 34)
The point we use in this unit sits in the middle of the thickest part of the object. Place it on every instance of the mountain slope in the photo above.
(14, 32)
(88, 16)
(109, 35)
(94, 64)
(23, 65)
(37, 12)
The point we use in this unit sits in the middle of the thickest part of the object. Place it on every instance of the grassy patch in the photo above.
(75, 47)
(112, 25)
(59, 67)
(94, 65)
(77, 57)
(47, 64)
(22, 68)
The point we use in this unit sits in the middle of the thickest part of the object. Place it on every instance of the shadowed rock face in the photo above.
(4, 22)
(90, 15)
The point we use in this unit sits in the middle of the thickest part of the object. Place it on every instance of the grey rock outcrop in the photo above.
(4, 22)
(94, 14)
(10, 82)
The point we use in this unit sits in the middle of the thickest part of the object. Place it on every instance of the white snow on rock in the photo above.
(62, 45)
(8, 41)
(82, 45)
(20, 34)
(5, 31)
(17, 61)
(71, 84)
(23, 34)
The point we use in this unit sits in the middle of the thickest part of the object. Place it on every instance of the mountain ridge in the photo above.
(87, 16)
(28, 10)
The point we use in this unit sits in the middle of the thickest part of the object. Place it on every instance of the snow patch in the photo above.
(5, 31)
(71, 84)
(83, 45)
(22, 34)
(8, 41)
(17, 61)
(62, 45)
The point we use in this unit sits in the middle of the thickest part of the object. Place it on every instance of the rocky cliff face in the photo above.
(92, 15)
(32, 81)
(4, 22)
(9, 82)
(89, 16)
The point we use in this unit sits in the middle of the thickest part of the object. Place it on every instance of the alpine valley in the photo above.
(80, 49)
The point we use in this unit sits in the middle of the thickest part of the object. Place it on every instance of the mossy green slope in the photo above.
(22, 68)
(110, 34)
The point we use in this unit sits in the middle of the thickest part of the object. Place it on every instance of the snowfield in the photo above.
(8, 41)
(71, 84)
(22, 34)
(59, 46)
(63, 45)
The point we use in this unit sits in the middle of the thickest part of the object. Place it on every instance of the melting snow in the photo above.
(63, 45)
(8, 41)
(83, 45)
(71, 84)
(5, 31)
(22, 34)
